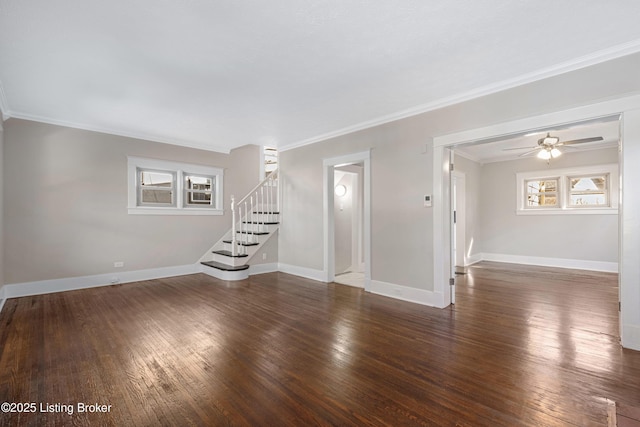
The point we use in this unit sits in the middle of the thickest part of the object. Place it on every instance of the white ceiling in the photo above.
(503, 148)
(218, 75)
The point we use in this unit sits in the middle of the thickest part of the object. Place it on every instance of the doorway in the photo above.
(347, 219)
(348, 225)
(443, 148)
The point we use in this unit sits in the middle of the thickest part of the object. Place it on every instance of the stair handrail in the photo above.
(234, 242)
(272, 174)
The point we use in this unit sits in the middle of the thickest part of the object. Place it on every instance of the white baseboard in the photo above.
(263, 268)
(473, 259)
(405, 293)
(17, 290)
(2, 297)
(308, 273)
(609, 267)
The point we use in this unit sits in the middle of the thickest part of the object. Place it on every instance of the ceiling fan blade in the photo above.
(535, 150)
(581, 141)
(519, 148)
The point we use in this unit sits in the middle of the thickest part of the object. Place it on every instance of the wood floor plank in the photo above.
(523, 346)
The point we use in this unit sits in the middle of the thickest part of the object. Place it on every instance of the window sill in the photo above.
(569, 211)
(173, 211)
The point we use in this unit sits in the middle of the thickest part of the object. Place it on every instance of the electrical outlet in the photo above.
(118, 264)
(264, 256)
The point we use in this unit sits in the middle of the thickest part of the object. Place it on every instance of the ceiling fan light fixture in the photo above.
(555, 153)
(550, 140)
(544, 154)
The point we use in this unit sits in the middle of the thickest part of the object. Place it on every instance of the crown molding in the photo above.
(135, 135)
(594, 58)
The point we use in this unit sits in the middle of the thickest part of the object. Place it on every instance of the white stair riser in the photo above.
(249, 250)
(264, 218)
(230, 260)
(257, 227)
(225, 275)
(257, 208)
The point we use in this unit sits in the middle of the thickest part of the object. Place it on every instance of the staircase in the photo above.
(255, 219)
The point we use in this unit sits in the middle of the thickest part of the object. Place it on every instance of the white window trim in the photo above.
(563, 191)
(181, 170)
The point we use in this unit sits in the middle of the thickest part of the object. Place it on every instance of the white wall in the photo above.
(570, 237)
(66, 204)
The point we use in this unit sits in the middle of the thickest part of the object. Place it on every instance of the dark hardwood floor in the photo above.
(523, 346)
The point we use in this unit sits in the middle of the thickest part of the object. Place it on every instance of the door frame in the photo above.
(328, 166)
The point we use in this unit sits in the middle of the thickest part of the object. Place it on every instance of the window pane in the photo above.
(542, 193)
(592, 183)
(157, 196)
(588, 200)
(199, 190)
(156, 179)
(588, 191)
(199, 183)
(197, 198)
(542, 200)
(542, 186)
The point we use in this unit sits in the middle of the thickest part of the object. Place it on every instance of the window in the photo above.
(172, 188)
(585, 190)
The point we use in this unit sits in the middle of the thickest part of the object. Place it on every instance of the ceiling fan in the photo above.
(547, 147)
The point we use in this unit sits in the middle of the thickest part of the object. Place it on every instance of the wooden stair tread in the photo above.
(263, 222)
(267, 213)
(242, 243)
(224, 267)
(229, 254)
(257, 233)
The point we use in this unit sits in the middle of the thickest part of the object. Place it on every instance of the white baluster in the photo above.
(246, 220)
(233, 225)
(277, 198)
(271, 204)
(262, 209)
(253, 235)
(266, 184)
(243, 230)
